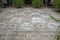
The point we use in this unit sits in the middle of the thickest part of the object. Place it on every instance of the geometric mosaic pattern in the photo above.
(25, 23)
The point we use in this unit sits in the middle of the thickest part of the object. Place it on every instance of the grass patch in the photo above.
(54, 19)
(19, 3)
(57, 37)
(36, 3)
(58, 12)
(56, 4)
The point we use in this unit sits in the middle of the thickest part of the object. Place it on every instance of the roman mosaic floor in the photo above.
(27, 24)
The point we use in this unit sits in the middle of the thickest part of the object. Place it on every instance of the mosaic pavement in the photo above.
(26, 24)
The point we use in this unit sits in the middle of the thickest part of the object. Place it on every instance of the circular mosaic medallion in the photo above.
(26, 26)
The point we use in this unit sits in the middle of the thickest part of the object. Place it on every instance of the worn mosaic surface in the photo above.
(26, 24)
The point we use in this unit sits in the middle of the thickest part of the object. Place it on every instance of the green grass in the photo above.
(36, 3)
(55, 19)
(19, 3)
(56, 4)
(58, 12)
(57, 37)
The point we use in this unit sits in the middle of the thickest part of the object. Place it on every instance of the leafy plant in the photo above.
(36, 3)
(19, 3)
(56, 4)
